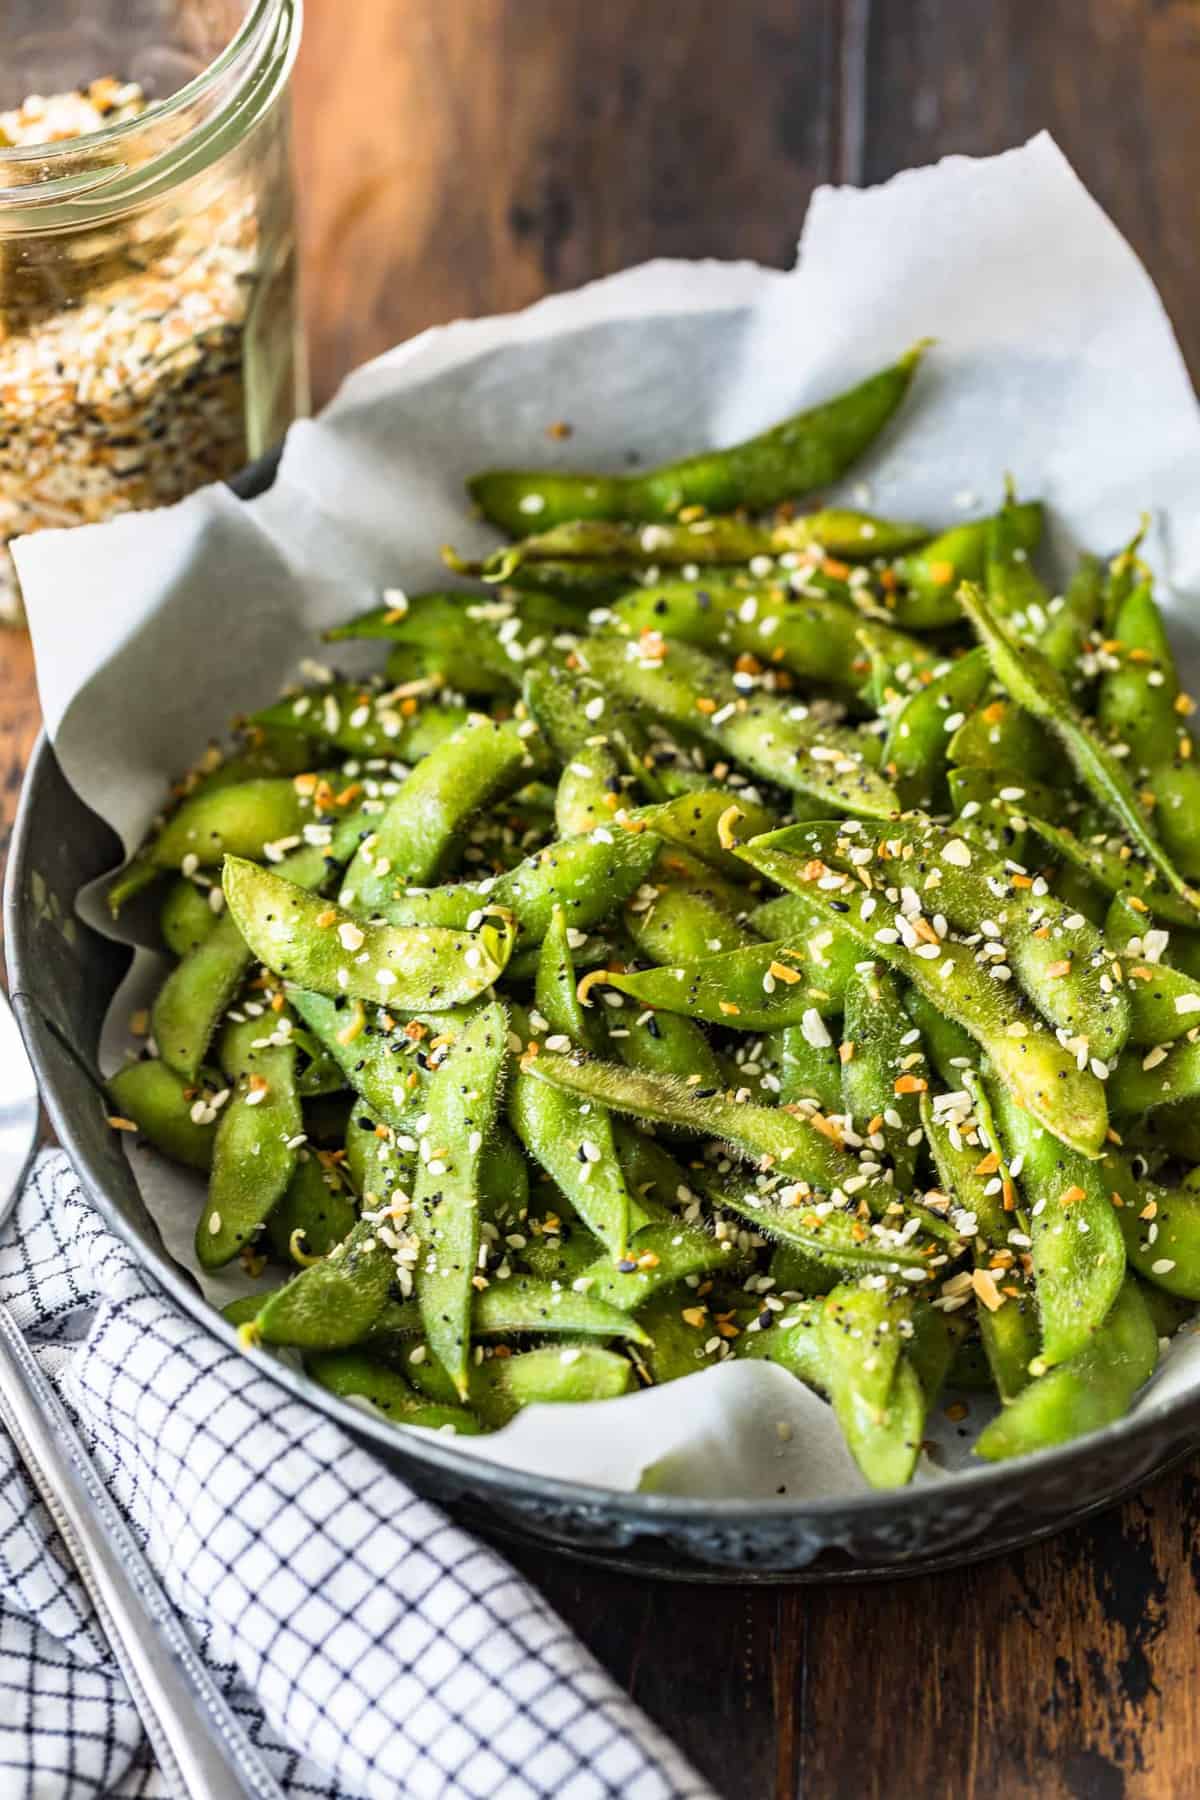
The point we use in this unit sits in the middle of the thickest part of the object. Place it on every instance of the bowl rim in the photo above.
(645, 1512)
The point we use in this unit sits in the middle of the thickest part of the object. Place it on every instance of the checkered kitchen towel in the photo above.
(369, 1646)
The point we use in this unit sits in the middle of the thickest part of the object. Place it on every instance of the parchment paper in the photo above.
(1054, 360)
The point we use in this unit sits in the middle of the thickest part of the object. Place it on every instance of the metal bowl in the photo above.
(63, 976)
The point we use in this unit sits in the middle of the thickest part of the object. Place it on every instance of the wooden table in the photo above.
(466, 156)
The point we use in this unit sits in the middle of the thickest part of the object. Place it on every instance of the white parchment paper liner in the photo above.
(1055, 359)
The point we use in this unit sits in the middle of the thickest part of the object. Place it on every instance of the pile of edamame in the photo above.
(730, 929)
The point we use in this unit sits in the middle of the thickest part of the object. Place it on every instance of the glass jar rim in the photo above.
(263, 48)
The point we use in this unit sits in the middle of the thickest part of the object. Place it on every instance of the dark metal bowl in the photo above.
(63, 976)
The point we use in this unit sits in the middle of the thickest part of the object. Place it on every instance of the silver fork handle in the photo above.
(201, 1749)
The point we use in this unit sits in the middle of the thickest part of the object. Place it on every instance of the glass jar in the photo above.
(149, 329)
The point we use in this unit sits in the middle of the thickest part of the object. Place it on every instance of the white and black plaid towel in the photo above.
(369, 1646)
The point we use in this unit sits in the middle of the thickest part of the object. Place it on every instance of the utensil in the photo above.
(201, 1749)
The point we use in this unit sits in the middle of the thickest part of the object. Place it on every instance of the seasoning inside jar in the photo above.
(148, 328)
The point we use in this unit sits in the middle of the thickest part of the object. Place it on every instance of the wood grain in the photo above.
(1115, 80)
(468, 157)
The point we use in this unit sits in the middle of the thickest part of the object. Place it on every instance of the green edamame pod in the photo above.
(321, 946)
(809, 1070)
(998, 735)
(551, 1376)
(572, 1139)
(1168, 1311)
(1139, 707)
(760, 987)
(781, 742)
(686, 912)
(164, 1108)
(351, 1375)
(1060, 960)
(195, 994)
(239, 821)
(259, 1131)
(380, 1062)
(1143, 1081)
(1078, 1252)
(461, 1103)
(1164, 1003)
(1042, 1072)
(1042, 691)
(1063, 641)
(333, 1303)
(796, 1148)
(362, 719)
(872, 1386)
(876, 1098)
(594, 777)
(588, 877)
(1115, 871)
(275, 754)
(186, 918)
(950, 1049)
(723, 541)
(806, 452)
(1012, 585)
(677, 1345)
(993, 803)
(1161, 1229)
(520, 1306)
(1085, 1393)
(1136, 700)
(314, 1213)
(664, 1043)
(413, 838)
(660, 1256)
(813, 636)
(831, 954)
(833, 1244)
(1007, 1320)
(931, 576)
(503, 1181)
(653, 1174)
(794, 1340)
(1123, 574)
(916, 750)
(696, 822)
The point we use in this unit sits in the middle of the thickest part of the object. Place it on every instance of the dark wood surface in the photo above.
(467, 156)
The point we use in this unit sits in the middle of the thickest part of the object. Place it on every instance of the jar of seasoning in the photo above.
(149, 331)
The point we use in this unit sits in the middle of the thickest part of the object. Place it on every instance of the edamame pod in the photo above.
(353, 1376)
(460, 1109)
(259, 1131)
(872, 1387)
(321, 946)
(363, 719)
(1042, 691)
(166, 1110)
(1041, 1071)
(781, 742)
(1078, 1253)
(794, 1146)
(808, 451)
(931, 576)
(724, 541)
(1085, 1393)
(413, 838)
